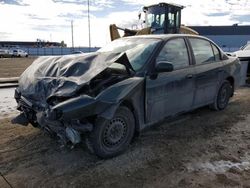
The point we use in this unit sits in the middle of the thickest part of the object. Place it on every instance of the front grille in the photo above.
(27, 107)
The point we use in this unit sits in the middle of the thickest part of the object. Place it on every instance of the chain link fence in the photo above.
(57, 50)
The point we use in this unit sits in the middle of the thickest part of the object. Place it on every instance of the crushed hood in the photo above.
(62, 76)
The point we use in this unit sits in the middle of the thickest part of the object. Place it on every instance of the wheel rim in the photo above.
(115, 132)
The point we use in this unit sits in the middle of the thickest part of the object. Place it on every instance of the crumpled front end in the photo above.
(73, 117)
(50, 120)
(64, 95)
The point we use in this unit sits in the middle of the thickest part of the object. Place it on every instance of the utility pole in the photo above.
(89, 28)
(72, 34)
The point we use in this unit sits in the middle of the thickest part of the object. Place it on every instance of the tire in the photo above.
(112, 137)
(223, 96)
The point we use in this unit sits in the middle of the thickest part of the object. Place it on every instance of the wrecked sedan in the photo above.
(106, 97)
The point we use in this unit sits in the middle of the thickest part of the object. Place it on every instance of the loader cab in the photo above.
(163, 18)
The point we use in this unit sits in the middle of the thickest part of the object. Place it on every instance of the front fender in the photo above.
(104, 104)
(117, 93)
(79, 107)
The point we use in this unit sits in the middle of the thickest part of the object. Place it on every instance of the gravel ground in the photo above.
(13, 67)
(203, 148)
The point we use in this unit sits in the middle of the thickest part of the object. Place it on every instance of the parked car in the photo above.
(244, 55)
(77, 52)
(20, 53)
(5, 53)
(107, 96)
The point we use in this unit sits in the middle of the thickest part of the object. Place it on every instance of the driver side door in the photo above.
(169, 93)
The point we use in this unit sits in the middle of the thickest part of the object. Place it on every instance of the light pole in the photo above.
(89, 28)
(72, 33)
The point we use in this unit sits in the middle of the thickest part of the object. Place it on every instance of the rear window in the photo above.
(203, 51)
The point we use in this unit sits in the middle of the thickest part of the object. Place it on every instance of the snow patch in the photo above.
(7, 103)
(218, 166)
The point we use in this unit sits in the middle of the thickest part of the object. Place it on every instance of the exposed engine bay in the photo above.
(103, 80)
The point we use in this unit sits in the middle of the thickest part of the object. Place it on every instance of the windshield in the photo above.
(247, 47)
(155, 16)
(138, 50)
(155, 20)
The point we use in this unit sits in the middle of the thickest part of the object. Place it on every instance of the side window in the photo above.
(175, 51)
(202, 49)
(216, 53)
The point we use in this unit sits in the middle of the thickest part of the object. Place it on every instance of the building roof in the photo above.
(222, 30)
(165, 4)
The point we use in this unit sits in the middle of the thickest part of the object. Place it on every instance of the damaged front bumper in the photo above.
(53, 120)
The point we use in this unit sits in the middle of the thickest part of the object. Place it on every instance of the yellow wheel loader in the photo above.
(162, 18)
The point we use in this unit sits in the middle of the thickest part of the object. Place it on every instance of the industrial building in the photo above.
(41, 48)
(230, 38)
(26, 44)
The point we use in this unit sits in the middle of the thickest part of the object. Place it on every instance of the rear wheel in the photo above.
(223, 96)
(111, 137)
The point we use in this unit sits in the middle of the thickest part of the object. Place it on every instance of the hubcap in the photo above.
(223, 97)
(115, 131)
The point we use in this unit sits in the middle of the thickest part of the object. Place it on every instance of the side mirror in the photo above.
(225, 56)
(164, 66)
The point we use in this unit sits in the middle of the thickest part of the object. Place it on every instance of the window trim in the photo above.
(214, 53)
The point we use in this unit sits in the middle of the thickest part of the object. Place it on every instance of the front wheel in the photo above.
(111, 137)
(223, 96)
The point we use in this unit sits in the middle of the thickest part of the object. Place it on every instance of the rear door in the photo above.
(207, 70)
(168, 93)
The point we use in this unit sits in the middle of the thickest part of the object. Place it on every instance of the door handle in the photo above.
(189, 76)
(220, 70)
(202, 76)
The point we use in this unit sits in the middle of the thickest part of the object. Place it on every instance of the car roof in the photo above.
(166, 36)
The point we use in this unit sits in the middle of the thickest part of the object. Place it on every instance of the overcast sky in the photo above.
(28, 20)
